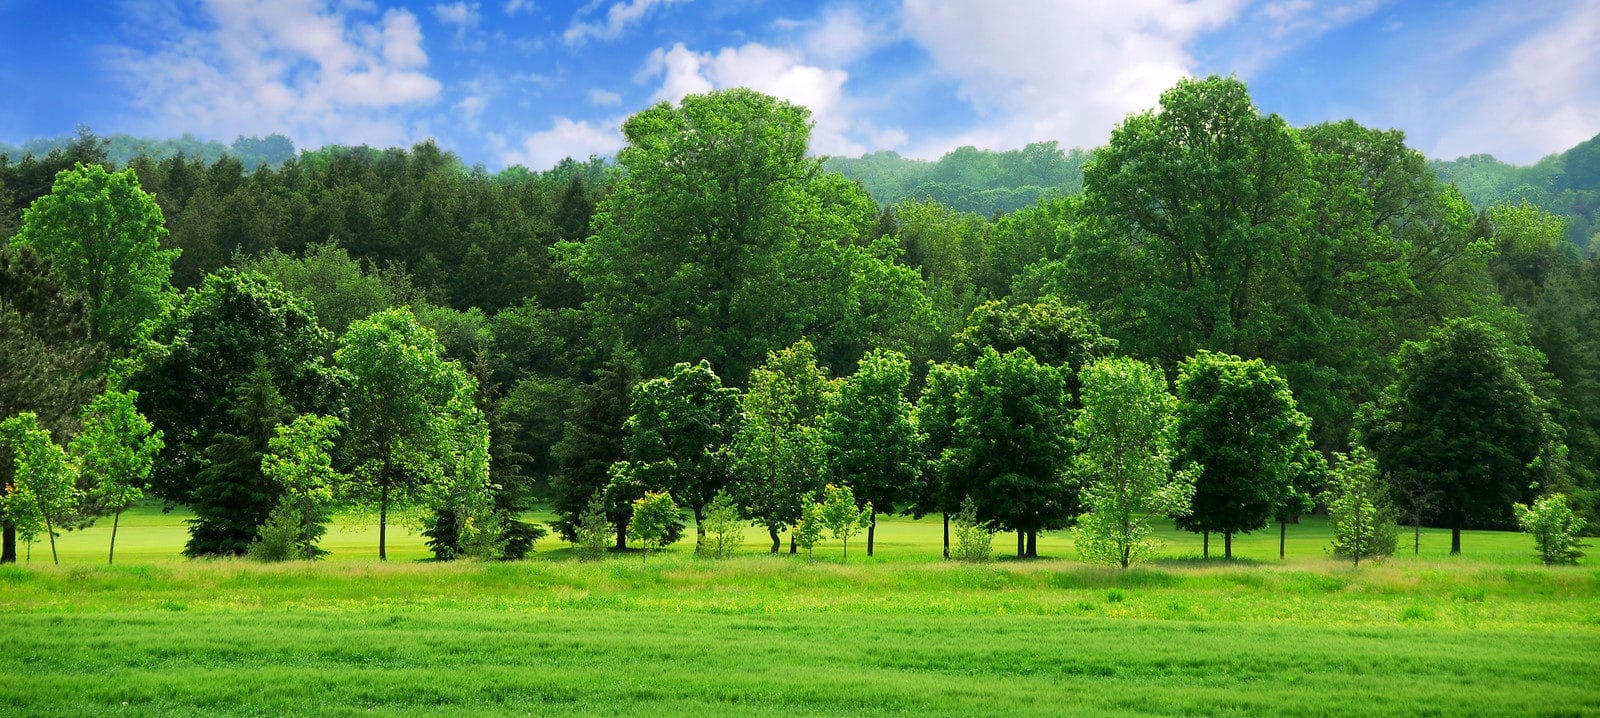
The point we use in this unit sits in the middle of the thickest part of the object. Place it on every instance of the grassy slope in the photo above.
(900, 633)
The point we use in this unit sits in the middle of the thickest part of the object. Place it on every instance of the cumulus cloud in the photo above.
(604, 98)
(463, 15)
(618, 17)
(1543, 97)
(1066, 70)
(513, 7)
(565, 138)
(318, 73)
(777, 72)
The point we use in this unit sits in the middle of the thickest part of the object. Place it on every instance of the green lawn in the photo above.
(901, 633)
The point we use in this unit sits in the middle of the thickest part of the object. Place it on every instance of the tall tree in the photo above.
(1359, 509)
(940, 488)
(780, 452)
(44, 489)
(115, 449)
(678, 438)
(1459, 418)
(873, 444)
(401, 388)
(1238, 423)
(299, 459)
(47, 358)
(104, 235)
(590, 443)
(1126, 434)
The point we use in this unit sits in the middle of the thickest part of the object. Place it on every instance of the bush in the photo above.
(279, 539)
(974, 541)
(724, 529)
(593, 531)
(1554, 528)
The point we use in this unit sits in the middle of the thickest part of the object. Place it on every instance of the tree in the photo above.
(116, 448)
(974, 541)
(654, 515)
(103, 234)
(842, 515)
(873, 443)
(44, 489)
(780, 451)
(591, 442)
(1237, 422)
(1125, 436)
(1359, 509)
(1054, 332)
(679, 435)
(1554, 527)
(400, 399)
(234, 357)
(47, 358)
(808, 529)
(592, 531)
(463, 519)
(299, 459)
(936, 420)
(1011, 445)
(1461, 420)
(724, 241)
(724, 527)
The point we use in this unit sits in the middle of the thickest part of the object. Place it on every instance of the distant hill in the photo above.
(252, 152)
(1566, 184)
(969, 179)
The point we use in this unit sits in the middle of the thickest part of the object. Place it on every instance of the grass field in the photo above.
(900, 633)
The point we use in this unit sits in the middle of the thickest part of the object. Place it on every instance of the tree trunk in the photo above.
(946, 538)
(776, 542)
(383, 520)
(1455, 540)
(50, 530)
(112, 556)
(622, 537)
(794, 548)
(1205, 544)
(1033, 543)
(1416, 537)
(872, 531)
(1227, 545)
(699, 529)
(1283, 535)
(8, 542)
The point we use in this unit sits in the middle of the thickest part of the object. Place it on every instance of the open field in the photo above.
(901, 633)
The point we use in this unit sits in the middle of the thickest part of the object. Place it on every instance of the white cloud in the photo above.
(1066, 70)
(565, 138)
(604, 98)
(299, 67)
(618, 17)
(841, 37)
(777, 72)
(513, 7)
(463, 15)
(1543, 97)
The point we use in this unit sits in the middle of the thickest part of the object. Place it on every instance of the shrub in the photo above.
(974, 541)
(724, 529)
(1554, 528)
(280, 538)
(593, 531)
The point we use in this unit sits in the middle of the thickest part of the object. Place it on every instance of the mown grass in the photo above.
(901, 633)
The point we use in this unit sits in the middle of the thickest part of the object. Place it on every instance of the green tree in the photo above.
(103, 234)
(232, 498)
(299, 459)
(724, 527)
(654, 515)
(592, 531)
(1359, 509)
(679, 436)
(1011, 448)
(1554, 527)
(463, 520)
(873, 443)
(974, 541)
(808, 530)
(401, 392)
(591, 442)
(1125, 437)
(780, 453)
(116, 448)
(338, 288)
(44, 489)
(1237, 422)
(936, 418)
(46, 357)
(1459, 419)
(724, 241)
(1054, 332)
(842, 516)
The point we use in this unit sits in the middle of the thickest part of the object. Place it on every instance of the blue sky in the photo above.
(504, 82)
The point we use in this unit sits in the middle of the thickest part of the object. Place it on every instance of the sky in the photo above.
(504, 82)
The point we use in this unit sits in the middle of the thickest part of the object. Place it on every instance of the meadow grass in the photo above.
(902, 632)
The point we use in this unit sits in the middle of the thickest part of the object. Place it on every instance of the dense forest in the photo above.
(717, 315)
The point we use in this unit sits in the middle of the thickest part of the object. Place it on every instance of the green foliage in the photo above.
(974, 541)
(282, 537)
(43, 493)
(46, 354)
(968, 179)
(116, 449)
(1055, 333)
(335, 284)
(1358, 507)
(724, 527)
(232, 497)
(1238, 423)
(591, 533)
(809, 529)
(840, 514)
(679, 435)
(780, 453)
(103, 234)
(1554, 527)
(1125, 437)
(464, 520)
(1461, 420)
(590, 443)
(873, 443)
(299, 459)
(654, 515)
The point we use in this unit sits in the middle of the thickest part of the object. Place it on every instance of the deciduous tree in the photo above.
(44, 490)
(116, 448)
(873, 443)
